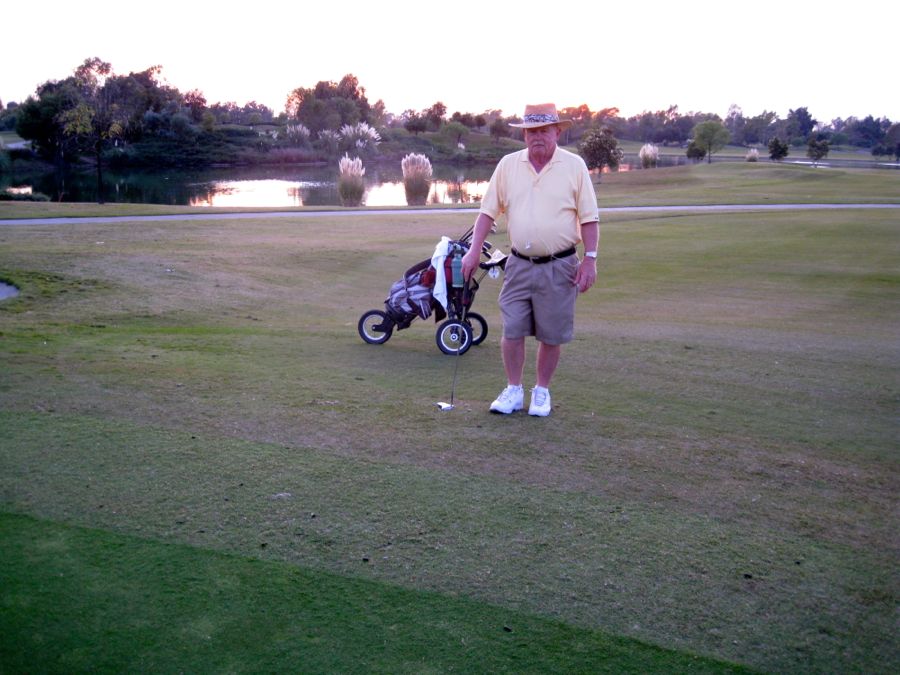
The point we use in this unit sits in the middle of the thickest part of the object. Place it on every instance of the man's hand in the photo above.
(470, 262)
(586, 274)
(483, 225)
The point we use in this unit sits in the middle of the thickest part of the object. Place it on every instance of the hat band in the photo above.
(541, 118)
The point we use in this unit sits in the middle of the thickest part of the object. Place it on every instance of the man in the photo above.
(550, 205)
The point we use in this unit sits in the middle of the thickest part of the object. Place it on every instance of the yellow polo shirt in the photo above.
(544, 211)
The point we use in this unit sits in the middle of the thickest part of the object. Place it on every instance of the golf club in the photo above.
(443, 405)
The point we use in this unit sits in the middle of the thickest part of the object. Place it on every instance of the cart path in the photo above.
(381, 212)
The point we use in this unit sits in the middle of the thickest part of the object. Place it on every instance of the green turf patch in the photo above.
(778, 598)
(79, 600)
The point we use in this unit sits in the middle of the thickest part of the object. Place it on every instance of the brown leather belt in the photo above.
(541, 259)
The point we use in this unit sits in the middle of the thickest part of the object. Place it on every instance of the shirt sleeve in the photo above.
(492, 204)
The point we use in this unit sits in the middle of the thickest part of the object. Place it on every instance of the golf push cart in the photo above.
(421, 290)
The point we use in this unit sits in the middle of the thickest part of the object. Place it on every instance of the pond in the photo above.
(287, 186)
(258, 186)
(7, 291)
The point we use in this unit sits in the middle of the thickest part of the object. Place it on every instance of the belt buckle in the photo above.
(533, 259)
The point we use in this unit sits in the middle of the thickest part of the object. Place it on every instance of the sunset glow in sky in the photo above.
(702, 55)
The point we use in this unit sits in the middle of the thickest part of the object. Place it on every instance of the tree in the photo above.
(735, 123)
(226, 113)
(499, 129)
(94, 106)
(581, 117)
(761, 128)
(378, 114)
(799, 124)
(329, 105)
(491, 115)
(196, 103)
(468, 119)
(892, 141)
(603, 116)
(256, 113)
(778, 149)
(599, 148)
(866, 132)
(695, 152)
(8, 116)
(434, 115)
(817, 149)
(82, 111)
(97, 117)
(456, 130)
(710, 136)
(136, 93)
(38, 120)
(414, 123)
(649, 126)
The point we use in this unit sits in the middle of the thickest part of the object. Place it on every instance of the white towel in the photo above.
(440, 279)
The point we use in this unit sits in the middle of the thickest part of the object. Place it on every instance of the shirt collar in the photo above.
(553, 160)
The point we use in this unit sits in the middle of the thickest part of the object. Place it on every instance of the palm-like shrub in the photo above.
(649, 155)
(351, 187)
(329, 141)
(297, 134)
(359, 137)
(416, 178)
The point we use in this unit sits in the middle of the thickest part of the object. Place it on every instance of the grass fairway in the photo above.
(203, 467)
(749, 183)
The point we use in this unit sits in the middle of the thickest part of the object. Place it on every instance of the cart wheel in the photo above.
(478, 326)
(454, 337)
(375, 327)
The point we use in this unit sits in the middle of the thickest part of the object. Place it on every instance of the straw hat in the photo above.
(541, 115)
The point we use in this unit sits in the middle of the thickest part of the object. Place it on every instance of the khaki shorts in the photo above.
(539, 300)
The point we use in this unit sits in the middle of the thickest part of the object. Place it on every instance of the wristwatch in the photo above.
(590, 254)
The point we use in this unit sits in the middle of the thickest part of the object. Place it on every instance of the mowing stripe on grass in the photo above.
(771, 599)
(79, 600)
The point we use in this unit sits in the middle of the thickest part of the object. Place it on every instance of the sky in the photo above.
(701, 55)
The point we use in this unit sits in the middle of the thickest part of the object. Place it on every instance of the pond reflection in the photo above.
(286, 193)
(273, 187)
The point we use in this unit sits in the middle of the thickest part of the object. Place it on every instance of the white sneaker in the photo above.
(540, 402)
(510, 399)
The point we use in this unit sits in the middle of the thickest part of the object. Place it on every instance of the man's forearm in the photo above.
(590, 235)
(483, 225)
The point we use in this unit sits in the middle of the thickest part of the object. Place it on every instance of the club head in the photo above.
(445, 406)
